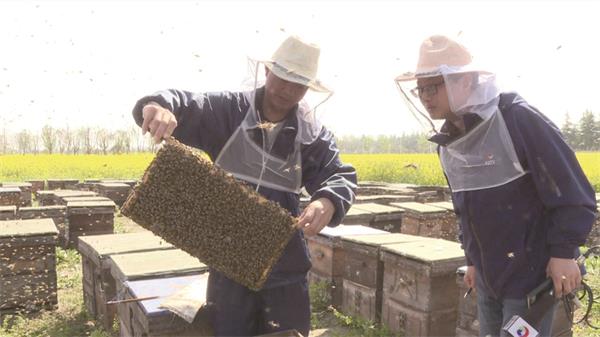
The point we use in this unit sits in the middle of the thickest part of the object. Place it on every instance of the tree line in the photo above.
(581, 136)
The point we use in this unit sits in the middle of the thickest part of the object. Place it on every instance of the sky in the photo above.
(85, 63)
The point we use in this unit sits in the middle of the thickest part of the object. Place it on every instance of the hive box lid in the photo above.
(442, 204)
(73, 193)
(427, 251)
(97, 247)
(162, 263)
(378, 208)
(94, 204)
(10, 190)
(383, 239)
(30, 227)
(418, 207)
(343, 230)
(162, 287)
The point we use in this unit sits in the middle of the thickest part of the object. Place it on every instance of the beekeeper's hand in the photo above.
(469, 278)
(565, 275)
(316, 216)
(159, 121)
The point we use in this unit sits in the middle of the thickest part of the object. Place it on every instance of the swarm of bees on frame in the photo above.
(204, 211)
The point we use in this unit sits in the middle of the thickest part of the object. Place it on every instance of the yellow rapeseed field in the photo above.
(422, 169)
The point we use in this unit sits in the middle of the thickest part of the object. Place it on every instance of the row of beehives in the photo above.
(75, 213)
(407, 283)
(49, 192)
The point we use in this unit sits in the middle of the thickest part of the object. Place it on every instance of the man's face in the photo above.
(281, 94)
(433, 96)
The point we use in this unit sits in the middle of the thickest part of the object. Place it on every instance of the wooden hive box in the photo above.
(145, 318)
(25, 191)
(594, 236)
(426, 220)
(149, 265)
(383, 199)
(10, 196)
(98, 284)
(36, 185)
(387, 218)
(363, 272)
(62, 184)
(8, 212)
(117, 192)
(357, 216)
(327, 256)
(87, 184)
(203, 210)
(130, 182)
(89, 218)
(419, 286)
(66, 200)
(60, 195)
(45, 198)
(467, 324)
(27, 265)
(57, 213)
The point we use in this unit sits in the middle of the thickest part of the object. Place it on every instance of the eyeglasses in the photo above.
(429, 90)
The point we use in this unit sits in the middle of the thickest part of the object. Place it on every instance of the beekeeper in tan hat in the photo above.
(523, 202)
(269, 137)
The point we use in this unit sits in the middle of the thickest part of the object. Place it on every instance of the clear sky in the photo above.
(85, 63)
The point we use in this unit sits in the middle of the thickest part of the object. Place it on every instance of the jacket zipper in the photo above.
(485, 279)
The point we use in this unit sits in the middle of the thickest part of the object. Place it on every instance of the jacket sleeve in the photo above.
(324, 175)
(204, 121)
(562, 186)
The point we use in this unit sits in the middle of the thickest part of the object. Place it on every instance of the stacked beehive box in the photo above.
(10, 196)
(385, 217)
(25, 189)
(117, 192)
(89, 218)
(426, 220)
(467, 323)
(66, 200)
(206, 212)
(8, 212)
(98, 284)
(419, 280)
(36, 185)
(62, 184)
(145, 266)
(88, 184)
(130, 182)
(327, 257)
(27, 265)
(383, 199)
(363, 273)
(57, 213)
(147, 318)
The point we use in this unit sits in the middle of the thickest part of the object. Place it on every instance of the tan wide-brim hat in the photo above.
(297, 61)
(436, 52)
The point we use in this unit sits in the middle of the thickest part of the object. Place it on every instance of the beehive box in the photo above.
(25, 191)
(45, 198)
(363, 272)
(419, 280)
(357, 216)
(8, 212)
(385, 189)
(594, 236)
(10, 196)
(387, 218)
(149, 265)
(57, 213)
(130, 182)
(383, 199)
(206, 212)
(55, 197)
(467, 324)
(146, 318)
(27, 265)
(117, 192)
(66, 200)
(327, 256)
(98, 284)
(36, 185)
(62, 184)
(88, 184)
(426, 220)
(89, 218)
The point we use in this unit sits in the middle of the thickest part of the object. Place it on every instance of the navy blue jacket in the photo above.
(207, 120)
(510, 232)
